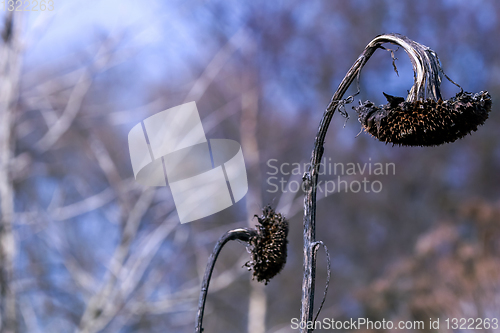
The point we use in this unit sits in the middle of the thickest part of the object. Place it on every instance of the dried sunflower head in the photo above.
(424, 118)
(268, 248)
(427, 122)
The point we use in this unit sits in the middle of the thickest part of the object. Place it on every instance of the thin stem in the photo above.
(316, 246)
(419, 56)
(240, 234)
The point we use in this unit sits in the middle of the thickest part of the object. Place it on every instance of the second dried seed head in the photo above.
(268, 248)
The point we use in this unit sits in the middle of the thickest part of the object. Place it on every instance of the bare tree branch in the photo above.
(96, 315)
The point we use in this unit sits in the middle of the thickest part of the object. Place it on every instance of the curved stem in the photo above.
(422, 59)
(239, 234)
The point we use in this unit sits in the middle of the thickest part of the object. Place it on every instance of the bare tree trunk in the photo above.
(257, 306)
(9, 75)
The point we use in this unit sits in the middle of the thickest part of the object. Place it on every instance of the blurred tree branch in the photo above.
(10, 63)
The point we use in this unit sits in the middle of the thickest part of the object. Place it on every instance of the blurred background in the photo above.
(84, 248)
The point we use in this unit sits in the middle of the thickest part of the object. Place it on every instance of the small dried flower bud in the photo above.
(268, 247)
(427, 122)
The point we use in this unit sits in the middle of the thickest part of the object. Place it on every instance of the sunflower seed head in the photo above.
(425, 122)
(268, 247)
(423, 118)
